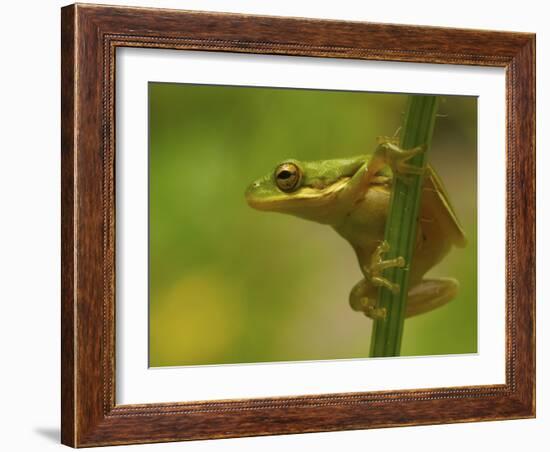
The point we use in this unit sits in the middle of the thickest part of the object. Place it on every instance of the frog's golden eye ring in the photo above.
(288, 177)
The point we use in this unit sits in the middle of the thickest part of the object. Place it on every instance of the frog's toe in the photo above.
(384, 139)
(406, 169)
(368, 307)
(384, 282)
(375, 313)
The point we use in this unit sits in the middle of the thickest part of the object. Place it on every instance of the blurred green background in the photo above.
(229, 284)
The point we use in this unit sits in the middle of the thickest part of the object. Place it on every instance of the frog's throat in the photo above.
(305, 194)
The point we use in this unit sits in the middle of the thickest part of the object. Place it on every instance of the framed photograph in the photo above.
(281, 225)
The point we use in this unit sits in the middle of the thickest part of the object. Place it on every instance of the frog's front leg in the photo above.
(388, 153)
(364, 294)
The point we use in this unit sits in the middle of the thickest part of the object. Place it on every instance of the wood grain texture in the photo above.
(68, 310)
(90, 36)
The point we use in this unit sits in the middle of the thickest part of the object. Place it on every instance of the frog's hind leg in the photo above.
(424, 297)
(363, 296)
(430, 294)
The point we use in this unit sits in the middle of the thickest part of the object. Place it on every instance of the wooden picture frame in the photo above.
(90, 36)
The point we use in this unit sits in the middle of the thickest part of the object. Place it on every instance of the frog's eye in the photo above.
(288, 177)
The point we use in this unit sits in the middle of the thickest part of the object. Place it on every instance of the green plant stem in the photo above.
(401, 225)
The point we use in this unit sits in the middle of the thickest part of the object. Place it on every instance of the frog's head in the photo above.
(308, 190)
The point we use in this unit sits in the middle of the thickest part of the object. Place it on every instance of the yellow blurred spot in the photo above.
(194, 322)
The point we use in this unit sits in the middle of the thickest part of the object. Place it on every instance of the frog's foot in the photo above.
(378, 264)
(362, 298)
(389, 153)
(370, 309)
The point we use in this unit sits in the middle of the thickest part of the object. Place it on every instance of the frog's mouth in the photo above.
(303, 196)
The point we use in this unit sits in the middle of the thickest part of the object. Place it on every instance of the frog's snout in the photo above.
(251, 189)
(253, 186)
(250, 194)
(259, 196)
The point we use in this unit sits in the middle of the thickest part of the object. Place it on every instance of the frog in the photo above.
(352, 196)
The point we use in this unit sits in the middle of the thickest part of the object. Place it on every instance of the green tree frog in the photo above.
(352, 196)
